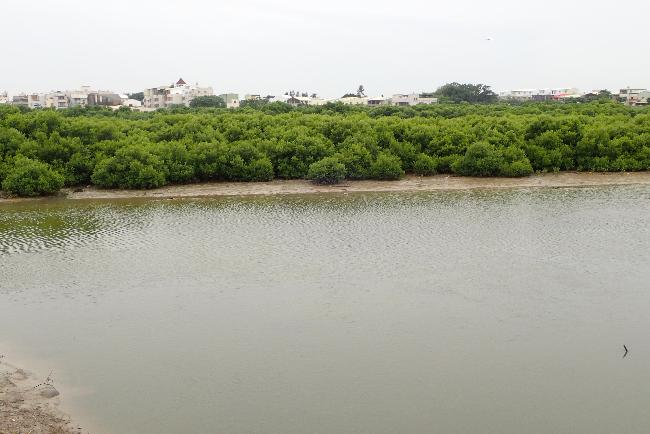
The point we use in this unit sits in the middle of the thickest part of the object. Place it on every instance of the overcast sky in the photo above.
(323, 46)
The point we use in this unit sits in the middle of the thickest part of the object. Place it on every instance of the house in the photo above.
(179, 93)
(632, 96)
(412, 99)
(353, 100)
(540, 94)
(518, 94)
(378, 100)
(58, 100)
(21, 100)
(77, 98)
(36, 100)
(640, 98)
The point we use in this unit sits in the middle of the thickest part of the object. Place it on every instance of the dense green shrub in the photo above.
(426, 165)
(386, 167)
(481, 159)
(131, 167)
(329, 170)
(27, 177)
(262, 141)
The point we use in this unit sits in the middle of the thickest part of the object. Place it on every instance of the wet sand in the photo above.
(409, 183)
(29, 404)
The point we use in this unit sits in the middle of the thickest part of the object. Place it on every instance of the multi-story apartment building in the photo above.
(412, 99)
(36, 100)
(21, 100)
(57, 100)
(179, 93)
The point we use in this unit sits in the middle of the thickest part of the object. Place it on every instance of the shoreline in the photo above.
(410, 183)
(30, 404)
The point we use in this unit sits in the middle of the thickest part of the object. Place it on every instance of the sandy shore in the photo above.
(409, 183)
(29, 404)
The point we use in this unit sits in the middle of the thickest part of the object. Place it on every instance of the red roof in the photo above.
(180, 81)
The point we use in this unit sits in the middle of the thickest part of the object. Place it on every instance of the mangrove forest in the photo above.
(43, 150)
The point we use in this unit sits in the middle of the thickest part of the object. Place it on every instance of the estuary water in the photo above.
(472, 311)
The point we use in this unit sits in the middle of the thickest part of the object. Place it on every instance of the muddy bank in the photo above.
(29, 404)
(409, 183)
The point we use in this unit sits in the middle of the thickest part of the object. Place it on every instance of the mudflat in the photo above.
(408, 183)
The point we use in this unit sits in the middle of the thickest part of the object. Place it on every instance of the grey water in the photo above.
(476, 311)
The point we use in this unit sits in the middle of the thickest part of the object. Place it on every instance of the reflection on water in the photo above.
(482, 311)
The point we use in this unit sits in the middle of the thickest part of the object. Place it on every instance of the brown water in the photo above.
(484, 311)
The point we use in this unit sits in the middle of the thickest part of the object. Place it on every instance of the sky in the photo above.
(328, 47)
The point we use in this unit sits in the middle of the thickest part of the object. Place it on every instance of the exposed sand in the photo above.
(409, 183)
(29, 404)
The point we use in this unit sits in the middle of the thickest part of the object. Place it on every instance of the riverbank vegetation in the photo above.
(43, 150)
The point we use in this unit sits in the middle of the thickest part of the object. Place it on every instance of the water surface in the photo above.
(481, 311)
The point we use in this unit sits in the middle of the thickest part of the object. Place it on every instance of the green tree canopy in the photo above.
(472, 93)
(208, 101)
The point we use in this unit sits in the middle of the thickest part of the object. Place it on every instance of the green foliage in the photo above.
(132, 167)
(137, 96)
(208, 101)
(262, 141)
(329, 170)
(481, 159)
(386, 167)
(426, 165)
(31, 178)
(472, 93)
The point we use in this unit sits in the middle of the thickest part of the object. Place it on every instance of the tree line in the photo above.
(42, 151)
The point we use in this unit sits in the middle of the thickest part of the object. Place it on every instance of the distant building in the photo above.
(105, 99)
(4, 98)
(353, 100)
(412, 99)
(21, 100)
(129, 102)
(540, 94)
(378, 100)
(77, 98)
(58, 100)
(632, 96)
(36, 100)
(179, 93)
(231, 100)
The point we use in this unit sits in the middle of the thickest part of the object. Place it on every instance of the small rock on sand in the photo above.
(48, 391)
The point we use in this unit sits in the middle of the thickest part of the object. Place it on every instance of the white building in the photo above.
(56, 99)
(412, 99)
(540, 94)
(36, 100)
(632, 96)
(353, 100)
(378, 100)
(180, 93)
(77, 98)
(519, 94)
